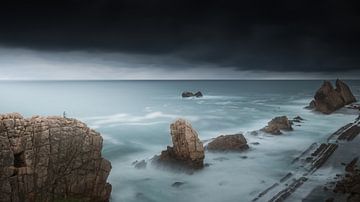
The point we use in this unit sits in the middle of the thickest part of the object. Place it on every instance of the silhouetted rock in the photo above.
(235, 142)
(177, 184)
(198, 94)
(47, 158)
(277, 124)
(187, 149)
(187, 94)
(327, 99)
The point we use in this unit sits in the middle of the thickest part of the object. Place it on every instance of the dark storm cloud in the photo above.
(248, 35)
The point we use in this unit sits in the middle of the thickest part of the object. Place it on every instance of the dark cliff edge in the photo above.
(51, 159)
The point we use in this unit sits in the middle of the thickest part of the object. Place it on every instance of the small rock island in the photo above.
(187, 94)
(327, 99)
(51, 159)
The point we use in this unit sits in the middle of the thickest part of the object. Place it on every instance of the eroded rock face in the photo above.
(48, 158)
(236, 142)
(277, 124)
(327, 99)
(187, 148)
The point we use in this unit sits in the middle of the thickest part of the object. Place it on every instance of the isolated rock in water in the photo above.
(47, 158)
(235, 142)
(297, 119)
(277, 124)
(198, 94)
(187, 148)
(140, 164)
(187, 94)
(327, 99)
(191, 94)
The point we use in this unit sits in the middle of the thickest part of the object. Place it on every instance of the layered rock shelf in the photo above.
(51, 158)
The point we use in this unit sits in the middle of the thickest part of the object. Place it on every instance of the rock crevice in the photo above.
(50, 158)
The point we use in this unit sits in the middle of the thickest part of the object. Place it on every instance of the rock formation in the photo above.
(277, 124)
(236, 142)
(191, 94)
(327, 99)
(187, 149)
(51, 158)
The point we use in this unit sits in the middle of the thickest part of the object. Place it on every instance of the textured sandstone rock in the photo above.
(48, 158)
(187, 148)
(236, 142)
(327, 99)
(277, 124)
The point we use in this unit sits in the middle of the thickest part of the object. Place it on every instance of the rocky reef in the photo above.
(327, 99)
(191, 94)
(187, 149)
(236, 142)
(277, 124)
(50, 159)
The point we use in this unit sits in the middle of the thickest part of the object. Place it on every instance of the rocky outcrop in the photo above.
(327, 99)
(191, 94)
(236, 142)
(350, 183)
(51, 158)
(277, 124)
(187, 149)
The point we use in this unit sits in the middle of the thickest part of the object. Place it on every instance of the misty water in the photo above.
(134, 118)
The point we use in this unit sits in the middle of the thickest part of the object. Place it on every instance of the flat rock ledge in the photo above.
(277, 124)
(51, 158)
(327, 99)
(236, 142)
(187, 150)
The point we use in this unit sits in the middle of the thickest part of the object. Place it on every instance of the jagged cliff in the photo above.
(49, 159)
(327, 99)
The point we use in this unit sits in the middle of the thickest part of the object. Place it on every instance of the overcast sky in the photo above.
(179, 39)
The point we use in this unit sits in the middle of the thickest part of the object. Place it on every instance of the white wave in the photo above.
(128, 119)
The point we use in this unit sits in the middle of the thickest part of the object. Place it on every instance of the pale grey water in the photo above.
(134, 119)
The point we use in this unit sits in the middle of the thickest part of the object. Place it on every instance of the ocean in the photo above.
(134, 119)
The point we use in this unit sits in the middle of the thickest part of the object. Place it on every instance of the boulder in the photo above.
(236, 142)
(51, 158)
(198, 94)
(187, 149)
(187, 94)
(277, 124)
(327, 99)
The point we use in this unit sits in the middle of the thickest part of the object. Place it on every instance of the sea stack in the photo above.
(49, 159)
(277, 124)
(327, 99)
(187, 149)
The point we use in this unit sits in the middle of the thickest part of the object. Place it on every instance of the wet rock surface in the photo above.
(277, 124)
(187, 149)
(51, 158)
(236, 142)
(327, 99)
(187, 94)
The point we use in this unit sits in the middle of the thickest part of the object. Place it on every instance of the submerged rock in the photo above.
(140, 164)
(47, 158)
(191, 94)
(327, 99)
(177, 184)
(236, 142)
(187, 149)
(277, 124)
